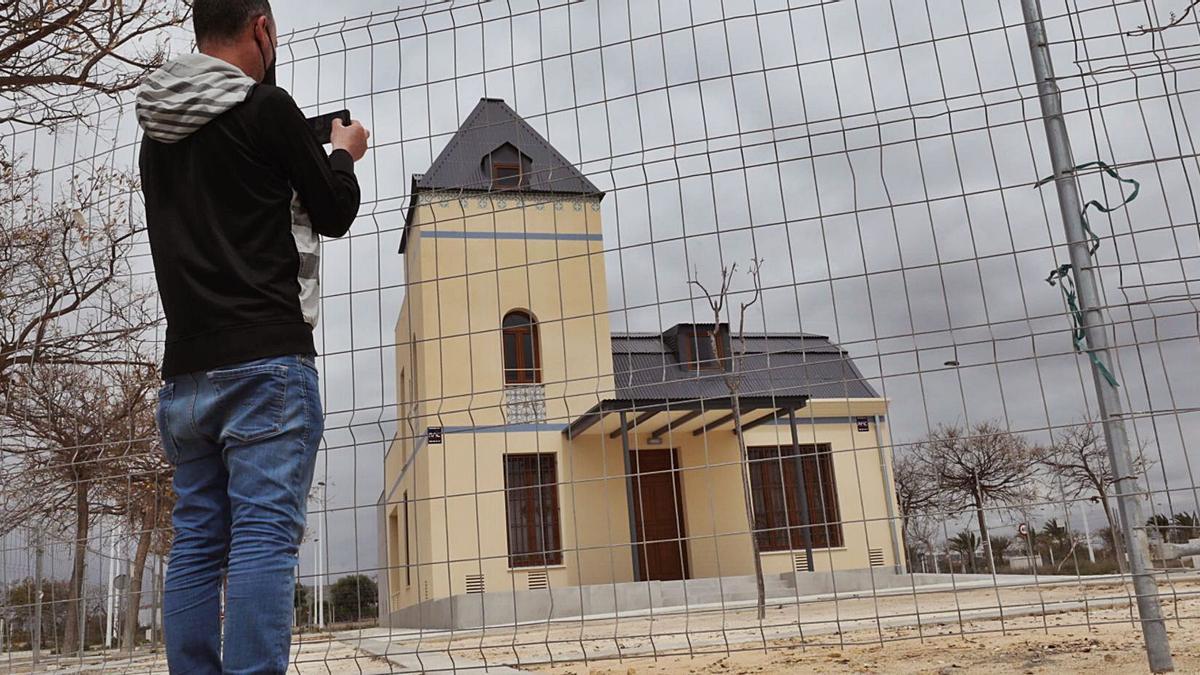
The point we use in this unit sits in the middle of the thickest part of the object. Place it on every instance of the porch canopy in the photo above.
(696, 416)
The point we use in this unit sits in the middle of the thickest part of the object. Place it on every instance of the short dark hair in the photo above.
(217, 20)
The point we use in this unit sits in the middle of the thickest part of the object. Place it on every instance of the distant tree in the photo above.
(917, 495)
(50, 52)
(1000, 546)
(966, 543)
(921, 539)
(302, 601)
(981, 466)
(71, 431)
(146, 498)
(1056, 540)
(1110, 546)
(1161, 525)
(1078, 458)
(19, 608)
(354, 598)
(18, 612)
(1185, 527)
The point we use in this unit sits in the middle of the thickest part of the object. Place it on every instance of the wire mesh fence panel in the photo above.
(767, 334)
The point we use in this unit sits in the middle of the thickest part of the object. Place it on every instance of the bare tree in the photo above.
(923, 530)
(980, 466)
(50, 52)
(719, 303)
(73, 430)
(1079, 458)
(145, 498)
(69, 311)
(917, 494)
(66, 295)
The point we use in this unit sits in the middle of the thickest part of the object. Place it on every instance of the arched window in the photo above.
(522, 357)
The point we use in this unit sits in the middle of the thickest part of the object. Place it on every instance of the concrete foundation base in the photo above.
(520, 606)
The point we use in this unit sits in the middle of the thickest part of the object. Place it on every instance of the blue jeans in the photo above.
(244, 441)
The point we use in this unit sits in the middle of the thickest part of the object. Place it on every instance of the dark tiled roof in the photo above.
(490, 125)
(785, 365)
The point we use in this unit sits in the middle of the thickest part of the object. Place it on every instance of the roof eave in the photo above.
(625, 405)
(409, 213)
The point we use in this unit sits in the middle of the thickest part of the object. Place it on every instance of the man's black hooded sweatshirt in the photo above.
(237, 191)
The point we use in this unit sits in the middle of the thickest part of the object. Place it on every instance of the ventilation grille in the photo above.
(800, 562)
(474, 583)
(876, 555)
(538, 580)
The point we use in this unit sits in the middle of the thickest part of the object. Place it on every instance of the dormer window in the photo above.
(699, 351)
(507, 168)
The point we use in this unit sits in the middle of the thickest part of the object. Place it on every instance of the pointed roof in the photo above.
(490, 125)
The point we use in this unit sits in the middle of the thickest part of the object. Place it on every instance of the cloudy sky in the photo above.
(879, 156)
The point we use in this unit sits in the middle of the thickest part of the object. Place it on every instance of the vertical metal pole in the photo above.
(155, 617)
(37, 598)
(112, 591)
(805, 520)
(82, 604)
(629, 478)
(1129, 499)
(321, 562)
(1087, 533)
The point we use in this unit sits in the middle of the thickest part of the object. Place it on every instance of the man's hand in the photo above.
(352, 139)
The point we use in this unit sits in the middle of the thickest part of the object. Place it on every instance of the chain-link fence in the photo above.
(684, 334)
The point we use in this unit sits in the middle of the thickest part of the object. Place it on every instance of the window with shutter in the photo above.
(531, 500)
(775, 475)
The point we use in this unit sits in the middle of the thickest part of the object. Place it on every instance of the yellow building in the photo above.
(546, 467)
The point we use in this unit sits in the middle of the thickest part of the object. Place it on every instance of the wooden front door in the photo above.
(658, 513)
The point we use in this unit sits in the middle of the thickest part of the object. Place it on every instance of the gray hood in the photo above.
(178, 99)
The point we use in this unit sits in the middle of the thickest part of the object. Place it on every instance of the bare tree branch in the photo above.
(1173, 20)
(50, 52)
(66, 294)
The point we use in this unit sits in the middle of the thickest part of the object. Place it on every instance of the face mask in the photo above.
(269, 68)
(269, 77)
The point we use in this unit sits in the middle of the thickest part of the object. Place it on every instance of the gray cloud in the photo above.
(889, 191)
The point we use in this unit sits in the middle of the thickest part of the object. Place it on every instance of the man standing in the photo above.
(237, 190)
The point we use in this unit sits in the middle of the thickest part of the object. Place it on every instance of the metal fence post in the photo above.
(36, 636)
(1129, 499)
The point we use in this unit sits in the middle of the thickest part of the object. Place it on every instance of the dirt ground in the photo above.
(1064, 643)
(957, 635)
(330, 657)
(319, 656)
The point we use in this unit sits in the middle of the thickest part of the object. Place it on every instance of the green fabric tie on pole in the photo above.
(1062, 276)
(1103, 208)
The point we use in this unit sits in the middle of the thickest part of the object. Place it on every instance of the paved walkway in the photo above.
(406, 654)
(935, 608)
